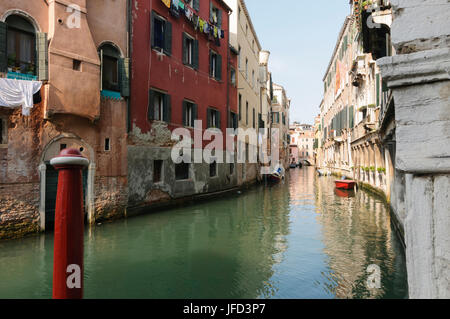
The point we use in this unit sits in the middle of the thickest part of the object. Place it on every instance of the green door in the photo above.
(51, 187)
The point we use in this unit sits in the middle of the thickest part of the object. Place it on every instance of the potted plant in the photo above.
(372, 168)
(11, 62)
(381, 170)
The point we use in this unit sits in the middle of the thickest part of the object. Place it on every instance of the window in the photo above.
(213, 169)
(232, 169)
(3, 132)
(234, 120)
(189, 113)
(20, 45)
(275, 117)
(240, 107)
(239, 58)
(107, 144)
(62, 147)
(213, 117)
(181, 171)
(162, 34)
(215, 15)
(215, 65)
(246, 113)
(246, 68)
(190, 51)
(233, 76)
(195, 4)
(253, 78)
(254, 119)
(157, 171)
(159, 106)
(76, 65)
(109, 57)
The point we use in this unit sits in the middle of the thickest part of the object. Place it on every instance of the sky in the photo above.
(301, 36)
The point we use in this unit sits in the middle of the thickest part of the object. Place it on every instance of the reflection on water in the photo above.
(294, 240)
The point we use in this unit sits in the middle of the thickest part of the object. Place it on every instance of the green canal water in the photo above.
(298, 239)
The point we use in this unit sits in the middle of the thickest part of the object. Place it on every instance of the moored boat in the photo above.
(277, 175)
(345, 184)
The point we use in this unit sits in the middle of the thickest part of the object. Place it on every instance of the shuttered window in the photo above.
(3, 52)
(161, 36)
(213, 118)
(190, 51)
(189, 113)
(215, 65)
(159, 108)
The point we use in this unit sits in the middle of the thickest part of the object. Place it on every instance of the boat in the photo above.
(277, 175)
(345, 184)
(320, 172)
(344, 192)
(293, 165)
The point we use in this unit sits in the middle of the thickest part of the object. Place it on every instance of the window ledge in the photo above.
(3, 146)
(21, 76)
(111, 95)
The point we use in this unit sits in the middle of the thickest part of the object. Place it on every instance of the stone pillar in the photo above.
(420, 80)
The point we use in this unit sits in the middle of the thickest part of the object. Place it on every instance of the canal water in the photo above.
(298, 239)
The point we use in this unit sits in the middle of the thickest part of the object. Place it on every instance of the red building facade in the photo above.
(183, 70)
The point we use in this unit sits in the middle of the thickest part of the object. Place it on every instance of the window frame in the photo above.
(18, 33)
(213, 114)
(164, 106)
(3, 131)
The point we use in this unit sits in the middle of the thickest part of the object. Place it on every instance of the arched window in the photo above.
(21, 45)
(110, 59)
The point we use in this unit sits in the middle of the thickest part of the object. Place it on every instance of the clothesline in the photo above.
(177, 8)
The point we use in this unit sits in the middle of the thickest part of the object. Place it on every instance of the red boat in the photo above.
(344, 192)
(344, 184)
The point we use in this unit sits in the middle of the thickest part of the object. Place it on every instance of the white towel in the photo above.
(15, 93)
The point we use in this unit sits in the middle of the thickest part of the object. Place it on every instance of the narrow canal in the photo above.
(299, 239)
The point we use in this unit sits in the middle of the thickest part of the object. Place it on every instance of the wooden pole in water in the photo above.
(69, 226)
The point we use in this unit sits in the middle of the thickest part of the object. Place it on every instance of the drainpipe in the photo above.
(228, 72)
(129, 27)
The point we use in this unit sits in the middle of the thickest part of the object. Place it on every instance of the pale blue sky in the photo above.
(300, 35)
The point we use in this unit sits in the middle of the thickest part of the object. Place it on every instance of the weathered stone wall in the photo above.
(420, 80)
(144, 192)
(19, 210)
(111, 197)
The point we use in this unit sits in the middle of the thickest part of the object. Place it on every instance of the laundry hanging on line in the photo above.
(15, 93)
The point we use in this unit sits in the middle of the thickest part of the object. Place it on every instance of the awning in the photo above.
(15, 93)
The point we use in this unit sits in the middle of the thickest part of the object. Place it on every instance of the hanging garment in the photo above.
(195, 22)
(206, 28)
(15, 93)
(181, 5)
(174, 11)
(201, 23)
(215, 32)
(166, 2)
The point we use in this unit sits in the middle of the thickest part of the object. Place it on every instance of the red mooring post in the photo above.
(69, 226)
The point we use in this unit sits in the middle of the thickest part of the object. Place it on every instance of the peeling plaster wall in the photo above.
(144, 192)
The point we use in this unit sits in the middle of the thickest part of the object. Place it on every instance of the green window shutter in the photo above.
(219, 19)
(208, 118)
(151, 105)
(42, 56)
(196, 54)
(167, 109)
(197, 5)
(184, 107)
(210, 11)
(125, 76)
(351, 116)
(219, 67)
(183, 47)
(210, 63)
(194, 113)
(3, 52)
(378, 89)
(152, 30)
(168, 38)
(219, 123)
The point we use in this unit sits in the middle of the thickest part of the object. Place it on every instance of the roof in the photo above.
(247, 14)
(222, 2)
(341, 33)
